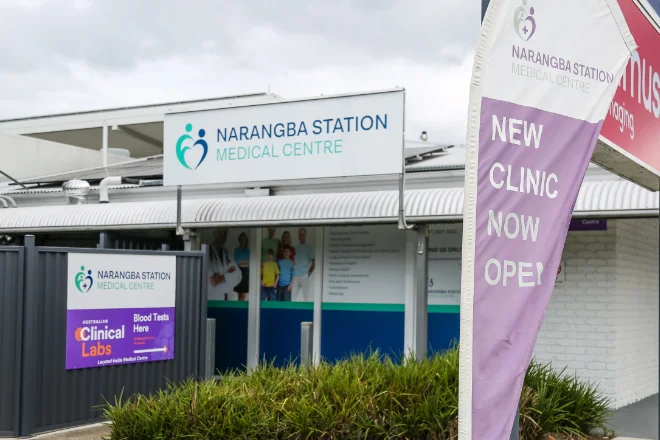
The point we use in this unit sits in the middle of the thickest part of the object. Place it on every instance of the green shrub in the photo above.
(364, 397)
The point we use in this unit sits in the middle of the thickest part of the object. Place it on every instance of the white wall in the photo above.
(603, 323)
(24, 157)
(636, 319)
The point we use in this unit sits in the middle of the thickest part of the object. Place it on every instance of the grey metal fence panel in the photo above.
(11, 302)
(58, 398)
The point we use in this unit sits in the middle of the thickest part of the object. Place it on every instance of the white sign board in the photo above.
(445, 252)
(364, 264)
(107, 281)
(357, 135)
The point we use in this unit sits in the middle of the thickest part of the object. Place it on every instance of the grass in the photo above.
(363, 397)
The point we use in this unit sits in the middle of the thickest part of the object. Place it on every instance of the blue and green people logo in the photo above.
(183, 145)
(84, 280)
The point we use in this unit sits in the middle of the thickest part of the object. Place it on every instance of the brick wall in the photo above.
(636, 301)
(602, 324)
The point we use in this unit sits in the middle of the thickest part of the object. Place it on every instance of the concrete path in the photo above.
(638, 421)
(89, 432)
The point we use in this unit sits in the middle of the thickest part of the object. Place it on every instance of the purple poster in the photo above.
(544, 74)
(119, 336)
(120, 309)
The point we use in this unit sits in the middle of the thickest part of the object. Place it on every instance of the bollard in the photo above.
(306, 343)
(209, 367)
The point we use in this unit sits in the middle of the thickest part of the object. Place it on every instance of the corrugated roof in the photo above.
(612, 198)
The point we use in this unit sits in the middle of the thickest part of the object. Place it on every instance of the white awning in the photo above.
(601, 198)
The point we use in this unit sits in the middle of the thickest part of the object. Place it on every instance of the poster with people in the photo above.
(229, 263)
(288, 264)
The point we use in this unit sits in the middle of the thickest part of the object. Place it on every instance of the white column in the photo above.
(104, 149)
(319, 248)
(416, 314)
(254, 300)
(409, 320)
(421, 297)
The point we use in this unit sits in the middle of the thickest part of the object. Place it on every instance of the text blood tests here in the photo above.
(513, 226)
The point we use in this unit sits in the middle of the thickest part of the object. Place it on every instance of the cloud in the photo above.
(70, 55)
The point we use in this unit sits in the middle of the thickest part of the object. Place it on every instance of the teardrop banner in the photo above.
(544, 74)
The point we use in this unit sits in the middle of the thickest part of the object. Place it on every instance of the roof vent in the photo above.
(76, 192)
(119, 152)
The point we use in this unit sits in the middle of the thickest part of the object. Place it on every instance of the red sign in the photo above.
(633, 122)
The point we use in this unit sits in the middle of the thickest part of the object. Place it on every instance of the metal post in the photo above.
(410, 311)
(105, 144)
(179, 197)
(402, 177)
(191, 241)
(204, 334)
(209, 370)
(254, 301)
(104, 241)
(306, 343)
(421, 299)
(318, 294)
(28, 354)
(187, 242)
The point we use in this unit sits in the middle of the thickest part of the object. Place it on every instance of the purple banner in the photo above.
(544, 75)
(529, 211)
(587, 224)
(102, 337)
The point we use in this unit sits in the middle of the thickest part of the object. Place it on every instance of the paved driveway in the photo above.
(639, 420)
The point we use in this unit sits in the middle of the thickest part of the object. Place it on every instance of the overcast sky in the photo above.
(70, 55)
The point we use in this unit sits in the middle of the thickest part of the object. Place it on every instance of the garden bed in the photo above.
(366, 397)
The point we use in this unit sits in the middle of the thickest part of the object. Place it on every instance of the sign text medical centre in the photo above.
(261, 141)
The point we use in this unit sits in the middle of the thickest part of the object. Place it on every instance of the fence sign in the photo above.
(120, 309)
(544, 75)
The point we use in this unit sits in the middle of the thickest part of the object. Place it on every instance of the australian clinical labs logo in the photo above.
(198, 149)
(523, 21)
(84, 280)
